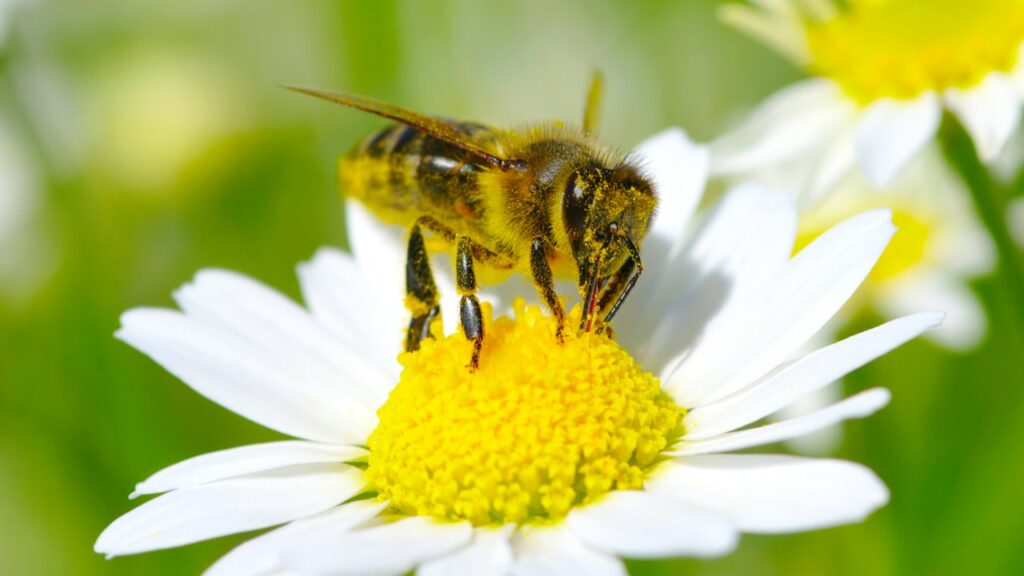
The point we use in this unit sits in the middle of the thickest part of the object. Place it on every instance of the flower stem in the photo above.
(990, 202)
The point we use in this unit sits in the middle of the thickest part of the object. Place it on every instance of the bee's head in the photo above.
(606, 213)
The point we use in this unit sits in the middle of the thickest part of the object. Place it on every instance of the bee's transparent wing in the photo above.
(432, 126)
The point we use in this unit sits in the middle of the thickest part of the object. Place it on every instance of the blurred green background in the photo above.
(140, 142)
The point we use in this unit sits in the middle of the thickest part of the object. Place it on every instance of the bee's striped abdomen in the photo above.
(401, 173)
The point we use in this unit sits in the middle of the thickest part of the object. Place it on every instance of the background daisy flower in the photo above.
(938, 248)
(882, 71)
(721, 319)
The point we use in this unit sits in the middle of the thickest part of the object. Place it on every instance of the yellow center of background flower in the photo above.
(901, 48)
(537, 429)
(905, 251)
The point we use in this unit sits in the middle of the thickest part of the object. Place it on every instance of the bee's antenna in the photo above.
(593, 109)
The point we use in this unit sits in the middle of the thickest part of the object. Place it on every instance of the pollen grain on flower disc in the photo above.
(537, 429)
(902, 48)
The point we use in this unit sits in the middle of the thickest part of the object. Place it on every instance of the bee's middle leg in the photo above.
(421, 296)
(545, 282)
(469, 306)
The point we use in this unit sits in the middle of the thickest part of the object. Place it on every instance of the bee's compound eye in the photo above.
(576, 202)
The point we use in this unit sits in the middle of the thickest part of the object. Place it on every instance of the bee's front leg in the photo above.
(614, 293)
(420, 292)
(545, 282)
(469, 306)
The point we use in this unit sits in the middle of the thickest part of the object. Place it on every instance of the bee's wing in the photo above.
(436, 128)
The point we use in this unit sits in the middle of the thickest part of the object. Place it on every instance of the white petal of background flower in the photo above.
(966, 322)
(237, 505)
(804, 376)
(1017, 74)
(989, 111)
(244, 460)
(646, 525)
(489, 554)
(773, 494)
(791, 124)
(390, 548)
(556, 551)
(262, 555)
(248, 379)
(766, 328)
(892, 132)
(856, 406)
(777, 23)
(837, 160)
(338, 295)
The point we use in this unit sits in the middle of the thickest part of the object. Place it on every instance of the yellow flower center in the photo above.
(537, 429)
(902, 48)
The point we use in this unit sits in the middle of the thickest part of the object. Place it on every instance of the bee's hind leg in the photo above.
(469, 306)
(420, 292)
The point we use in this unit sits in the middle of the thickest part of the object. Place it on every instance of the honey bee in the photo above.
(547, 201)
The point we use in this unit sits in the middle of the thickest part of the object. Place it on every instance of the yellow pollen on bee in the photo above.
(902, 48)
(538, 429)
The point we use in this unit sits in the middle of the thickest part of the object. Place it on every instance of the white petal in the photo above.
(773, 494)
(244, 460)
(966, 322)
(822, 442)
(555, 551)
(856, 406)
(489, 554)
(249, 310)
(767, 326)
(780, 28)
(804, 376)
(646, 525)
(792, 124)
(247, 378)
(892, 132)
(230, 506)
(441, 265)
(746, 238)
(1017, 74)
(340, 298)
(836, 162)
(679, 169)
(391, 548)
(989, 111)
(380, 251)
(262, 555)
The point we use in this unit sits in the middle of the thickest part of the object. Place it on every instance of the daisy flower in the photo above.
(938, 248)
(548, 459)
(882, 71)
